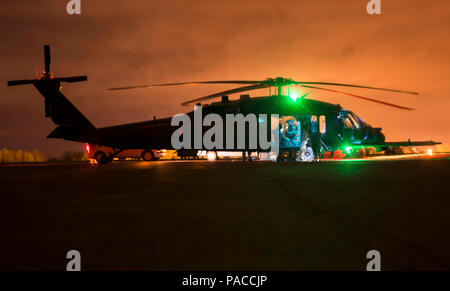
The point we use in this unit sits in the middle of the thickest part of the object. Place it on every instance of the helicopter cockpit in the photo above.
(354, 130)
(350, 120)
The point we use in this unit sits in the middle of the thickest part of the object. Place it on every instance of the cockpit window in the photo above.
(350, 120)
(347, 122)
(354, 121)
(361, 122)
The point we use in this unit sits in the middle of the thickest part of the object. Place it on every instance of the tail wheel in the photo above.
(101, 157)
(148, 156)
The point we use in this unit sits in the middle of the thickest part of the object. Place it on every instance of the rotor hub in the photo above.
(278, 82)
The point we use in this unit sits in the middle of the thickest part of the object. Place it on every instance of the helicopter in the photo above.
(341, 130)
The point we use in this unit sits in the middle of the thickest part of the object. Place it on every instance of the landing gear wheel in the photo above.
(307, 155)
(148, 156)
(101, 157)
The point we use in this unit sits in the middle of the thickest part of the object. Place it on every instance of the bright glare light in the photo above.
(88, 148)
(293, 96)
(348, 149)
(430, 152)
(211, 156)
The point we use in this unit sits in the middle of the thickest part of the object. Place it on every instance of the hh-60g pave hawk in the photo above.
(341, 130)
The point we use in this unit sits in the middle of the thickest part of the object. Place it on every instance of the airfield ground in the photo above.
(196, 215)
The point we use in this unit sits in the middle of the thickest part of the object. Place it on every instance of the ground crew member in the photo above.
(315, 137)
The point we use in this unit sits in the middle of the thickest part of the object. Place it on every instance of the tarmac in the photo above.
(226, 215)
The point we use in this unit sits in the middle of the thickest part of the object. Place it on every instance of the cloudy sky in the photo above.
(120, 43)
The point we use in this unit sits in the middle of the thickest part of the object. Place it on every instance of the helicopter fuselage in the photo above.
(339, 127)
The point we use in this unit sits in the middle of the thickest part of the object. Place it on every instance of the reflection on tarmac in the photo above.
(437, 156)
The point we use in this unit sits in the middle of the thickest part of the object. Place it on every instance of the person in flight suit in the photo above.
(291, 135)
(291, 132)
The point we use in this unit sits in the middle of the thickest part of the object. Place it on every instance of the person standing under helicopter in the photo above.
(315, 136)
(291, 135)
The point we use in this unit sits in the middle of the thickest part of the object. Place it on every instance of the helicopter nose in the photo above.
(379, 136)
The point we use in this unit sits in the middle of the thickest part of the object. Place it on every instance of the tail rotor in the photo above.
(46, 76)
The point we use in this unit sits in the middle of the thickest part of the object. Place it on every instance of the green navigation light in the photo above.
(293, 96)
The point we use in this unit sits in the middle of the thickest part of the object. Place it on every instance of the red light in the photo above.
(88, 148)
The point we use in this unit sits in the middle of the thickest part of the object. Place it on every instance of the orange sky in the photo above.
(119, 43)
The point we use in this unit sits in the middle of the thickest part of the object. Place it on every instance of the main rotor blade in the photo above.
(358, 96)
(356, 86)
(227, 92)
(186, 83)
